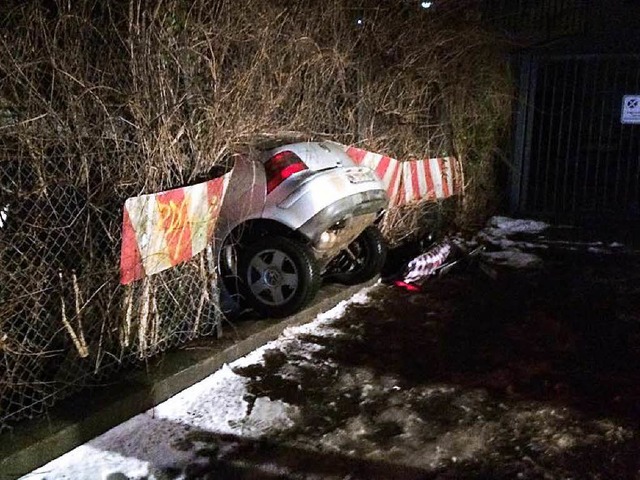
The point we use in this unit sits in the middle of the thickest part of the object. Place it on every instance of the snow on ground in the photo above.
(404, 381)
(506, 225)
(150, 443)
(513, 259)
(513, 243)
(497, 235)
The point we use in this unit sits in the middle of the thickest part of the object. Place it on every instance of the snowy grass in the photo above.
(507, 225)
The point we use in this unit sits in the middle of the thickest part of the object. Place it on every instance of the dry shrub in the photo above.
(100, 101)
(437, 85)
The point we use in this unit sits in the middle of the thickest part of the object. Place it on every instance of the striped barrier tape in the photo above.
(413, 180)
(425, 265)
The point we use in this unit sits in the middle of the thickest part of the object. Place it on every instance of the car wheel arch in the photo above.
(246, 233)
(249, 230)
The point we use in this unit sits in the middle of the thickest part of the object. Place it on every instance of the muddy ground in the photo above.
(491, 372)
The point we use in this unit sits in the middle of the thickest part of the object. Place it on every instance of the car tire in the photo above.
(278, 276)
(362, 260)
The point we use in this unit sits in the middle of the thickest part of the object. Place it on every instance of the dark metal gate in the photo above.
(574, 157)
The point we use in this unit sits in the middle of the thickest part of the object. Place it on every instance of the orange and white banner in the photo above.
(412, 180)
(164, 229)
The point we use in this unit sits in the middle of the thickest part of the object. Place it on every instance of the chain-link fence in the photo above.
(65, 321)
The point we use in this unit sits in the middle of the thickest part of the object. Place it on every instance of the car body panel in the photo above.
(245, 196)
(316, 155)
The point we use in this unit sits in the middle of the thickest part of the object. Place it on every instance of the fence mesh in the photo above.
(65, 321)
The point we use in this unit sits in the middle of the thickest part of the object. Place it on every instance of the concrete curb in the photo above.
(83, 417)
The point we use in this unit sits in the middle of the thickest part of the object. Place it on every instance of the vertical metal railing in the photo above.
(576, 156)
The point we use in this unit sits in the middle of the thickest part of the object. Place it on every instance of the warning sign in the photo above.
(631, 109)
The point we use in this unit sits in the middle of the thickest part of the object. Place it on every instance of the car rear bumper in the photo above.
(367, 203)
(300, 198)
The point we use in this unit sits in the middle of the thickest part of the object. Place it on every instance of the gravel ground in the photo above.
(523, 364)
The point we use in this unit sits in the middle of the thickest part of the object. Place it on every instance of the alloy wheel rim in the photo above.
(272, 277)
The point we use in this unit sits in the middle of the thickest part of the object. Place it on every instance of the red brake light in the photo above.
(280, 167)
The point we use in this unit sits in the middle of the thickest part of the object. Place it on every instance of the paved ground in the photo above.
(493, 372)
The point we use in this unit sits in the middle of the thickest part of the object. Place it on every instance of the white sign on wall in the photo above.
(631, 109)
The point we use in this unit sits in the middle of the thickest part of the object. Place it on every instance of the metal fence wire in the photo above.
(66, 323)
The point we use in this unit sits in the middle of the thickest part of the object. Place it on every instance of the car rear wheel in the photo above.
(362, 260)
(278, 276)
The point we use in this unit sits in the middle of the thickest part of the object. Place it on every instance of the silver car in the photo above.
(295, 215)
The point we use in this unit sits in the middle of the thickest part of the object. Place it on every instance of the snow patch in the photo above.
(513, 259)
(321, 326)
(89, 463)
(267, 416)
(497, 233)
(511, 225)
(500, 228)
(214, 404)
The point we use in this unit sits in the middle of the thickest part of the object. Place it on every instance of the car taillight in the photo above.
(280, 167)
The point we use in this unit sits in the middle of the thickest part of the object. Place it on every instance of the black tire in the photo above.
(362, 260)
(278, 276)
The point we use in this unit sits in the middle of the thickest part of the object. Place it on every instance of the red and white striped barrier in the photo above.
(388, 170)
(161, 230)
(412, 180)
